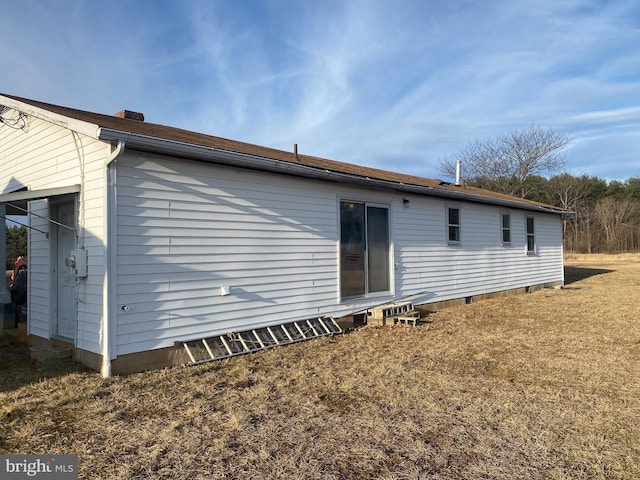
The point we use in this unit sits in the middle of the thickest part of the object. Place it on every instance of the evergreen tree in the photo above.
(16, 244)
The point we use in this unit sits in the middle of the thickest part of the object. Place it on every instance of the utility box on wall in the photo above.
(78, 261)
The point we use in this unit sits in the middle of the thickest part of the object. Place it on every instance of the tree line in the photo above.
(603, 217)
(16, 244)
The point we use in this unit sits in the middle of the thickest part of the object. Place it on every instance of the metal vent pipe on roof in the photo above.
(458, 169)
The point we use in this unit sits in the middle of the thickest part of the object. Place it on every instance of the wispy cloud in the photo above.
(395, 85)
(607, 117)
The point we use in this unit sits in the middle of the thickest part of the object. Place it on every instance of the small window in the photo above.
(506, 228)
(531, 239)
(453, 224)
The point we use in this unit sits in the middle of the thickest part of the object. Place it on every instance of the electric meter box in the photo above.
(78, 261)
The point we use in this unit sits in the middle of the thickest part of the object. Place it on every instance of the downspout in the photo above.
(107, 310)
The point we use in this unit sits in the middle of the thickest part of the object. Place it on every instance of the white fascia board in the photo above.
(85, 128)
(29, 195)
(236, 159)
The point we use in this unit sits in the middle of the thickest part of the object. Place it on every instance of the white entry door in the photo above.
(65, 281)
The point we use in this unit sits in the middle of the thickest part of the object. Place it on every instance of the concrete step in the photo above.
(10, 332)
(42, 353)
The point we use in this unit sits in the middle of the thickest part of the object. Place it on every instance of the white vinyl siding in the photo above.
(481, 265)
(46, 156)
(39, 258)
(187, 229)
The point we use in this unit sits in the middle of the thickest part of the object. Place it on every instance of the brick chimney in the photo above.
(130, 115)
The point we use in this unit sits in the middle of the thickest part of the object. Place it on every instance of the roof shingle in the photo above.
(137, 127)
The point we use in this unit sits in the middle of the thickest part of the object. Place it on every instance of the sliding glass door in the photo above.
(364, 249)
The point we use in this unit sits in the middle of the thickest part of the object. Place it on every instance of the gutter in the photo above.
(236, 159)
(108, 285)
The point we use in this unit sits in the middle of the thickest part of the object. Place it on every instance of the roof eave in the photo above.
(237, 159)
(80, 126)
(471, 197)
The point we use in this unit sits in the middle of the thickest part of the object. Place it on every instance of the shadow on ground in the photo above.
(18, 369)
(575, 274)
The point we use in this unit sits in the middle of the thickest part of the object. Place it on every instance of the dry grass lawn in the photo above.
(544, 385)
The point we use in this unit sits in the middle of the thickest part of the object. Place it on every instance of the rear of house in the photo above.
(188, 236)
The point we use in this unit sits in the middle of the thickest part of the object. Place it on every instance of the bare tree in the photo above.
(570, 193)
(503, 164)
(616, 217)
(567, 190)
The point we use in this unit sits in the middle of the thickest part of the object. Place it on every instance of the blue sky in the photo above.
(389, 84)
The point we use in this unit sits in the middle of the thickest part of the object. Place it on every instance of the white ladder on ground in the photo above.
(248, 341)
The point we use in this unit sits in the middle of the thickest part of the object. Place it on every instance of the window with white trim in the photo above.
(531, 238)
(505, 226)
(453, 225)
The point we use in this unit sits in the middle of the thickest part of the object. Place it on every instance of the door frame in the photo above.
(54, 204)
(390, 269)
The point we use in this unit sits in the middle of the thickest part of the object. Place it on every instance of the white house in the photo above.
(179, 235)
